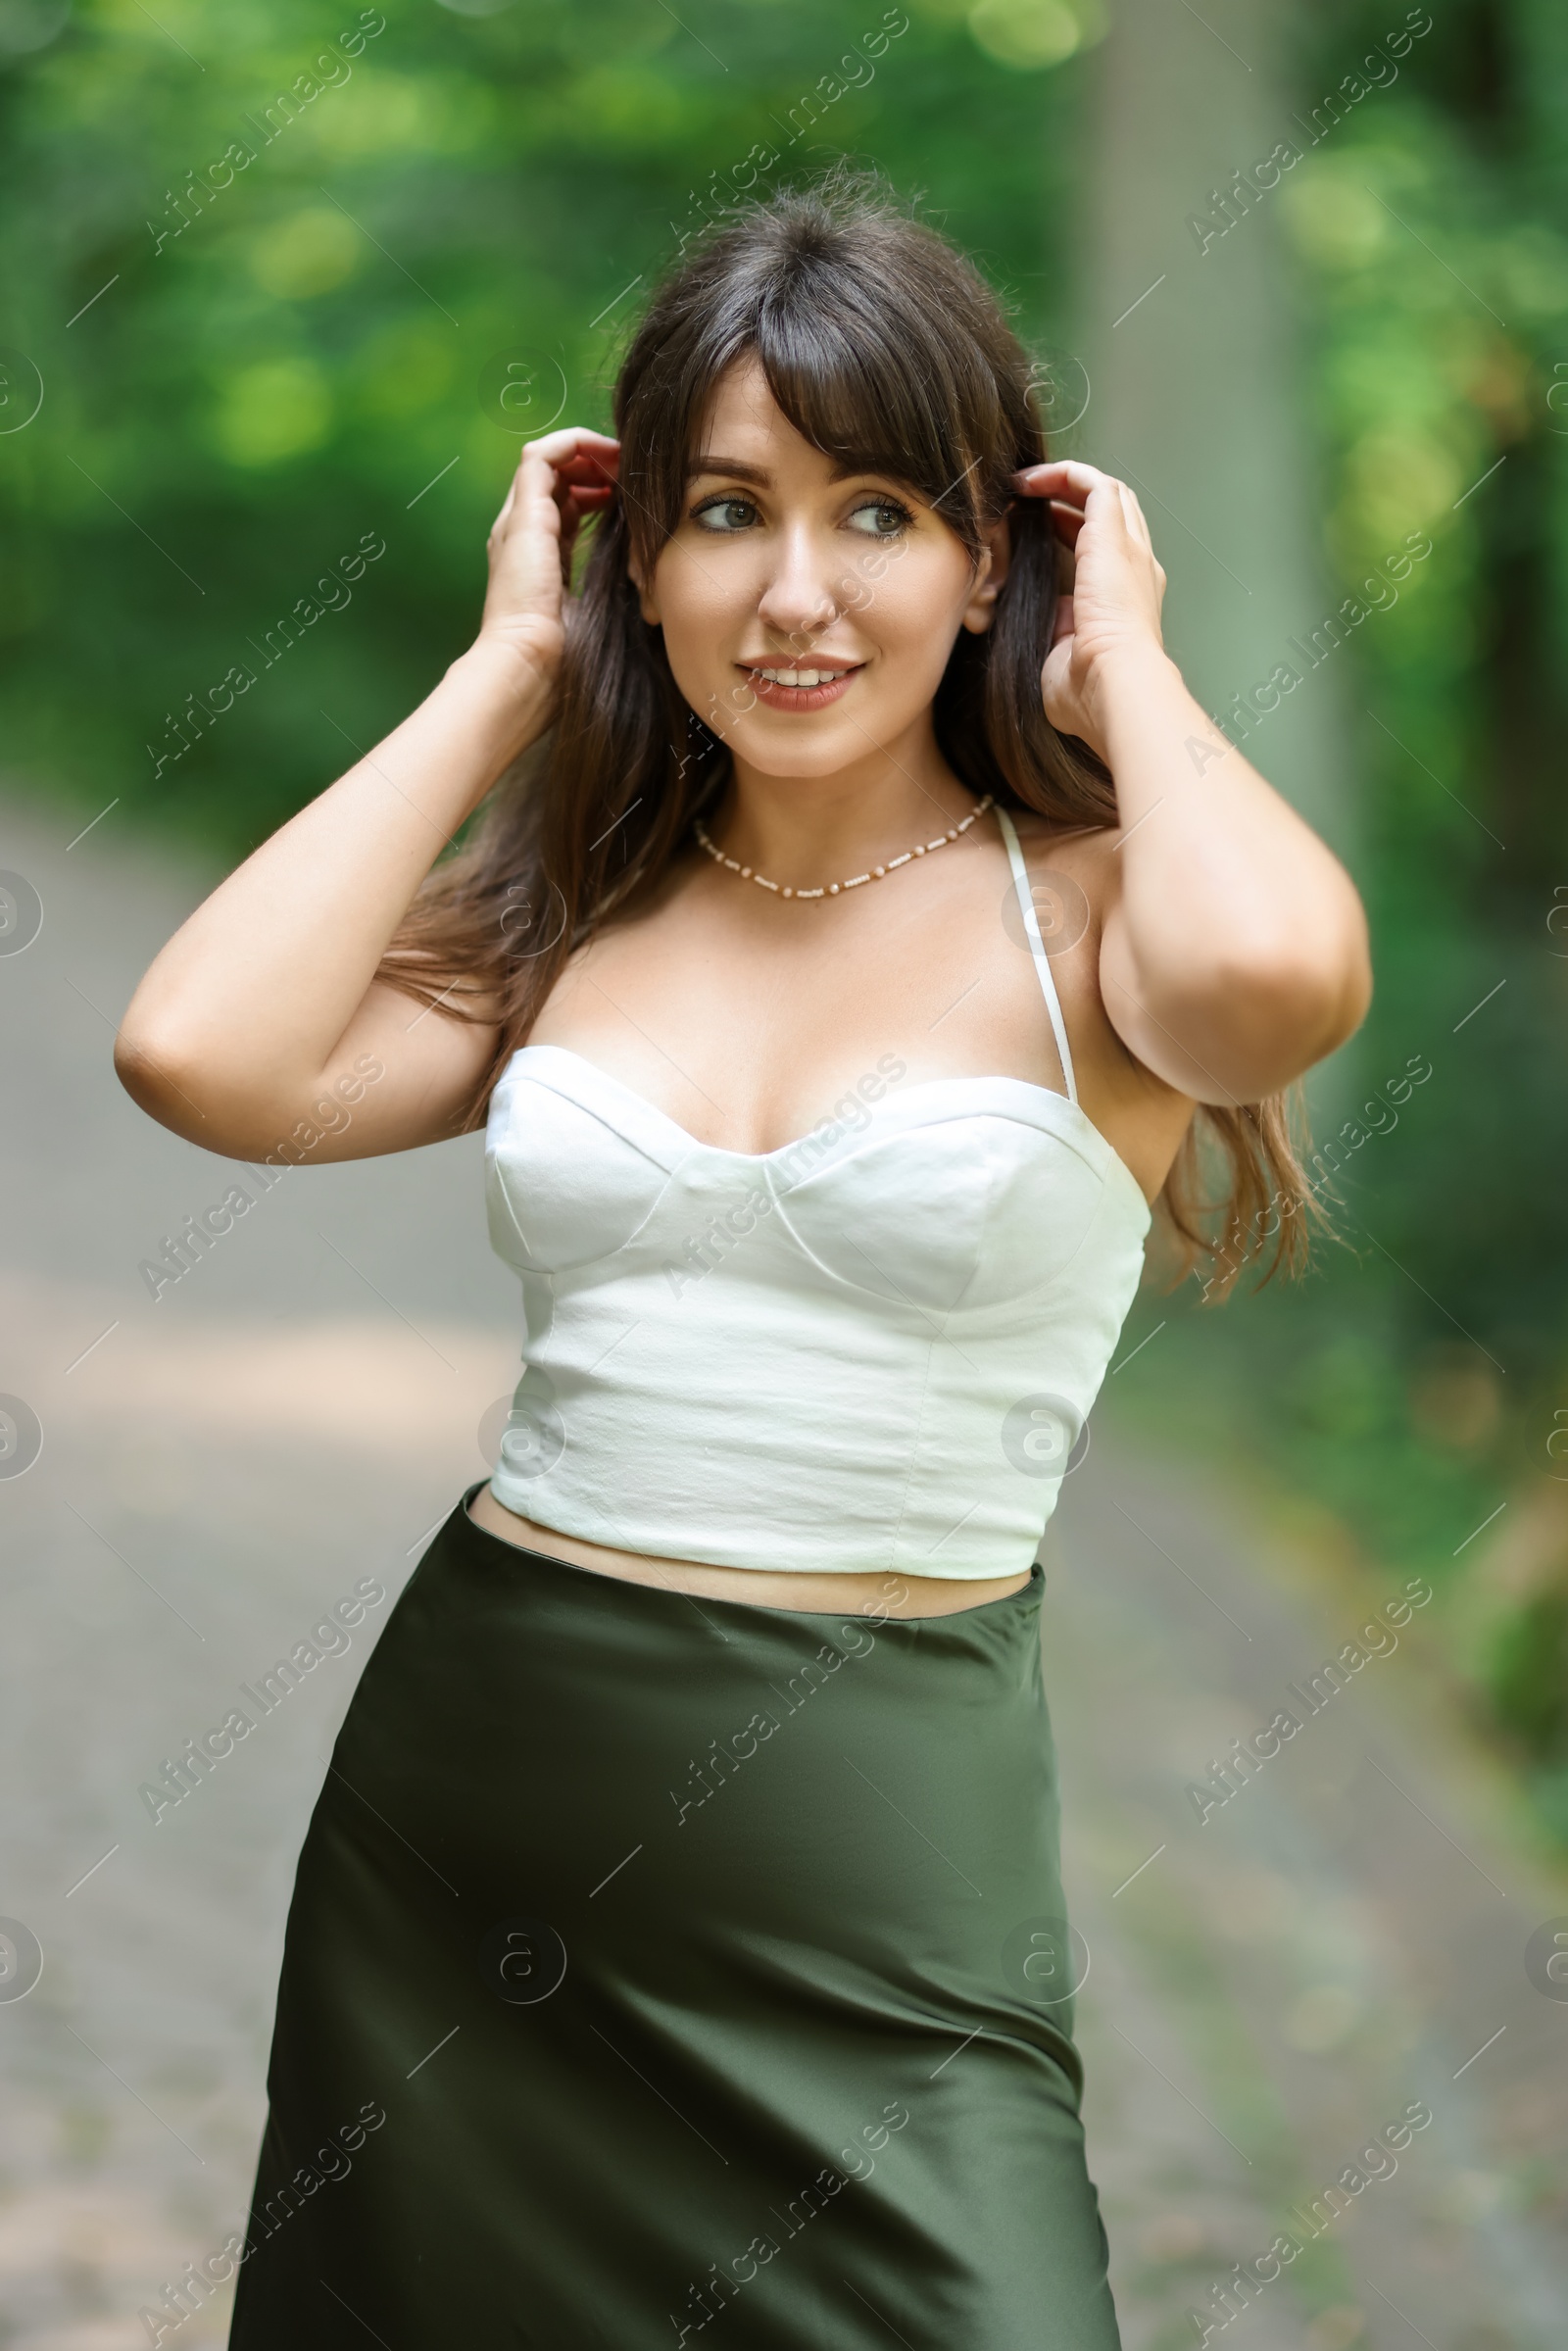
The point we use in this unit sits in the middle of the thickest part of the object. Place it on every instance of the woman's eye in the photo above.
(880, 519)
(727, 515)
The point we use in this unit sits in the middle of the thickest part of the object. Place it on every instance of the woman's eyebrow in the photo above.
(735, 467)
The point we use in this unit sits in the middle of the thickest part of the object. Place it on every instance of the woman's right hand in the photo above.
(561, 478)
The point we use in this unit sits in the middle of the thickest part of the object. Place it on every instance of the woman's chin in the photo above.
(804, 753)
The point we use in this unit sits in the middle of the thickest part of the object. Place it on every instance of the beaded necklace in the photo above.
(874, 873)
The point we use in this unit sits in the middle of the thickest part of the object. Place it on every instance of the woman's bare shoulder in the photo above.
(1050, 832)
(1086, 852)
(1087, 855)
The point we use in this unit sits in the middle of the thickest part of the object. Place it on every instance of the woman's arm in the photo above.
(1234, 952)
(264, 997)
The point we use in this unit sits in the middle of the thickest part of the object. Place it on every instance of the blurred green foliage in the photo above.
(302, 363)
(1414, 1388)
(428, 240)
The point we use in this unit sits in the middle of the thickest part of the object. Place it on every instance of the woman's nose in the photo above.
(798, 602)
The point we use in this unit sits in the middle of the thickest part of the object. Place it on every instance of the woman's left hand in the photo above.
(1113, 608)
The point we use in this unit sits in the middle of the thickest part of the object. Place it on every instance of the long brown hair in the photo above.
(885, 349)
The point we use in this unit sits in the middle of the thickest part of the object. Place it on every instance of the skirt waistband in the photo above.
(480, 1542)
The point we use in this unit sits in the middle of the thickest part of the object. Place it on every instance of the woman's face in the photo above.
(808, 613)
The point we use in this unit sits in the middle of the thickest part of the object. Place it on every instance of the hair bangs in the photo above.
(849, 382)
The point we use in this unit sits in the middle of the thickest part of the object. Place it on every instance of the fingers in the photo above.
(1133, 513)
(574, 469)
(569, 438)
(530, 499)
(1062, 476)
(1069, 488)
(1069, 482)
(577, 468)
(1075, 492)
(578, 453)
(506, 504)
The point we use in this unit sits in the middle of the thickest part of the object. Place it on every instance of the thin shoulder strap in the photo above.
(1031, 924)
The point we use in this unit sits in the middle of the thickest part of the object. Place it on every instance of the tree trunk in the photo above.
(1192, 350)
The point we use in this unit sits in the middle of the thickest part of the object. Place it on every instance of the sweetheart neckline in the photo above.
(719, 1151)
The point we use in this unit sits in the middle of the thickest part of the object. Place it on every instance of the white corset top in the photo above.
(872, 1350)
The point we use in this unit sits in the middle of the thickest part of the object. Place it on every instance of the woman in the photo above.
(678, 1942)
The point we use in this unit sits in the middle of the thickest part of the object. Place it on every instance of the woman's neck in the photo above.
(806, 829)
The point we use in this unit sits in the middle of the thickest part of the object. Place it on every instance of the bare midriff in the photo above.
(890, 1594)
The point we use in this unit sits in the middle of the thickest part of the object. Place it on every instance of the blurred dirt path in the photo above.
(1342, 1937)
(1267, 1988)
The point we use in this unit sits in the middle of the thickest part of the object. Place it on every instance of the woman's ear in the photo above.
(980, 610)
(645, 595)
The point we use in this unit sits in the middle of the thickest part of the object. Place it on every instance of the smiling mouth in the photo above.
(800, 686)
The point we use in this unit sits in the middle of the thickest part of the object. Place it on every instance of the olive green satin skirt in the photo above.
(664, 1969)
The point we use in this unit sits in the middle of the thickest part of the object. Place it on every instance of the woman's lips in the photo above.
(780, 697)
